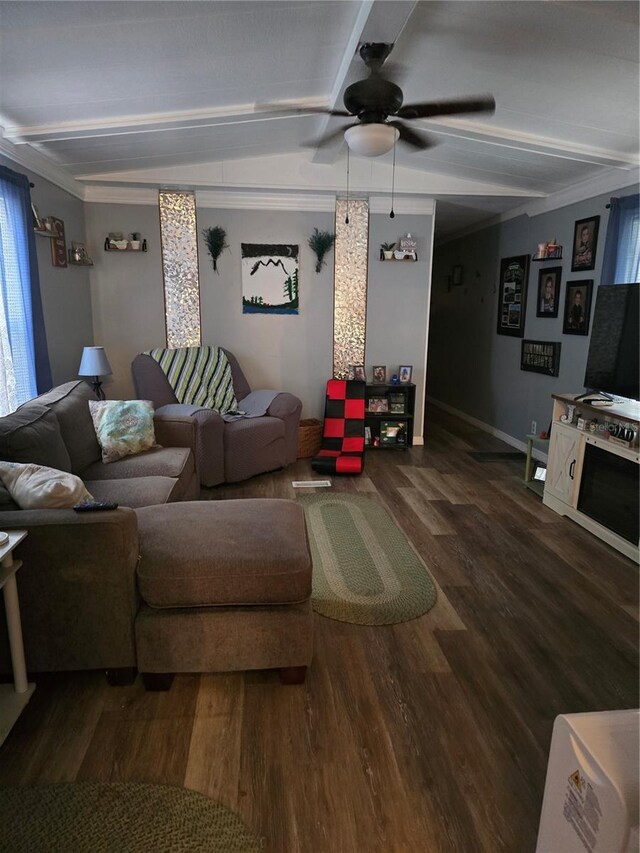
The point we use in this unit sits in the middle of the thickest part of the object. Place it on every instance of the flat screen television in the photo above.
(613, 366)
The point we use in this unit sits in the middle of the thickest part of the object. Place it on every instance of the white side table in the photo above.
(14, 697)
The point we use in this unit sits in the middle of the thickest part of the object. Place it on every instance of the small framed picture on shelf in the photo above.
(367, 436)
(405, 372)
(37, 220)
(356, 371)
(379, 374)
(397, 404)
(393, 433)
(577, 307)
(378, 405)
(585, 242)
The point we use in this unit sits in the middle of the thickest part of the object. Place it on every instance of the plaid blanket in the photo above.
(199, 376)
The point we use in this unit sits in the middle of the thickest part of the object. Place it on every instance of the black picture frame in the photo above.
(583, 248)
(540, 357)
(512, 295)
(546, 307)
(456, 275)
(576, 322)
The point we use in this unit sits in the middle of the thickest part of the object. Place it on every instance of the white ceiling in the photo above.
(132, 92)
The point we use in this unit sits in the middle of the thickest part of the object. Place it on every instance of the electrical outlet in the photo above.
(534, 428)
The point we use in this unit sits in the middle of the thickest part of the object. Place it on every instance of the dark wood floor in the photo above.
(428, 736)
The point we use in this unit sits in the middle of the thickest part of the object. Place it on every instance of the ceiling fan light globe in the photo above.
(371, 140)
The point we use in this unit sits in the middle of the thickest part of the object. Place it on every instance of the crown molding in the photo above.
(606, 182)
(228, 200)
(28, 158)
(266, 201)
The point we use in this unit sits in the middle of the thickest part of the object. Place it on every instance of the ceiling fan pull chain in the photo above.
(393, 180)
(346, 220)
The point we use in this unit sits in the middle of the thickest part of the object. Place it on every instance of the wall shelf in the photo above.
(80, 263)
(399, 260)
(50, 234)
(122, 251)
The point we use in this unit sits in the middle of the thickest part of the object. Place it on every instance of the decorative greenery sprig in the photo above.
(387, 247)
(320, 243)
(216, 240)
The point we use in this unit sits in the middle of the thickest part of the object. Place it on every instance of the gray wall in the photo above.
(293, 353)
(66, 296)
(126, 289)
(398, 301)
(474, 369)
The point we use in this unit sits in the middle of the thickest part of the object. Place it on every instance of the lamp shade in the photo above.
(371, 140)
(94, 362)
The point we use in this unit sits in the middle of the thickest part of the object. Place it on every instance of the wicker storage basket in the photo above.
(309, 437)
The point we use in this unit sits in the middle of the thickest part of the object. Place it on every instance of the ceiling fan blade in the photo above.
(455, 106)
(327, 138)
(416, 140)
(299, 109)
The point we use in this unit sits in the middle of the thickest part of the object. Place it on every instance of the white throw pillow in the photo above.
(38, 487)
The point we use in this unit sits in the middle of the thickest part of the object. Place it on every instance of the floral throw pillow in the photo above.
(123, 427)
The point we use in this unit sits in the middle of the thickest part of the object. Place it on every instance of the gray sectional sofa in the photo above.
(82, 597)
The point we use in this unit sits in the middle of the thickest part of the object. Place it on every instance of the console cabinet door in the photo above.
(563, 463)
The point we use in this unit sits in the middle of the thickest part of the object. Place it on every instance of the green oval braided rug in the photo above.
(365, 570)
(118, 817)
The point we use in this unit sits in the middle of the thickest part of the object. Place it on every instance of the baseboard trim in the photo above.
(485, 427)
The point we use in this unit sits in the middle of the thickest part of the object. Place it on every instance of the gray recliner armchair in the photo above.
(226, 452)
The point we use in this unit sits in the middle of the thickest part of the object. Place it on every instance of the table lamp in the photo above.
(95, 363)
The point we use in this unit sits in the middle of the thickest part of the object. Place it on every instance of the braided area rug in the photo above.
(365, 570)
(127, 817)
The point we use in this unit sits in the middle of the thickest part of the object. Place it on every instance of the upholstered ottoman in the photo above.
(225, 586)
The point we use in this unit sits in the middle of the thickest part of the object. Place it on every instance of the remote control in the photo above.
(95, 506)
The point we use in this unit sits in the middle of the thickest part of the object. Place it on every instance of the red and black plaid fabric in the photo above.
(343, 440)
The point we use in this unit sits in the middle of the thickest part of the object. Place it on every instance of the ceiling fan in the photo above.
(376, 102)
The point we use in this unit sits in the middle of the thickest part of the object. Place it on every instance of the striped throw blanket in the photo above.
(199, 376)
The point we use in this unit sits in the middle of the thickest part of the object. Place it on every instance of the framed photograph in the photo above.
(380, 374)
(393, 433)
(577, 307)
(548, 291)
(397, 404)
(405, 371)
(512, 295)
(540, 357)
(367, 436)
(356, 371)
(585, 241)
(378, 405)
(456, 275)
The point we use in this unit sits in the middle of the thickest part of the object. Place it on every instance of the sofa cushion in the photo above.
(32, 434)
(123, 427)
(39, 487)
(176, 462)
(251, 446)
(136, 491)
(69, 402)
(207, 553)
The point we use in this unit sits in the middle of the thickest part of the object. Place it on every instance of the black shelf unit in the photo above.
(374, 420)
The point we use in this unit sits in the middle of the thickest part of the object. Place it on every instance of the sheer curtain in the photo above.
(24, 361)
(621, 262)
